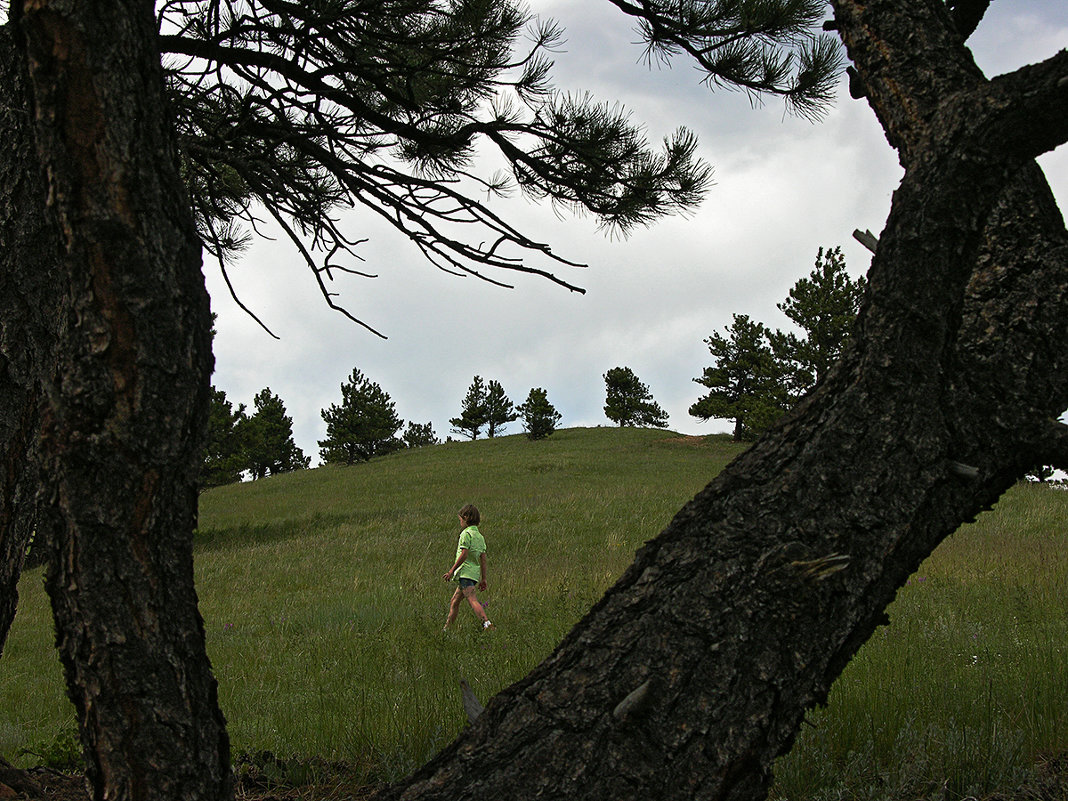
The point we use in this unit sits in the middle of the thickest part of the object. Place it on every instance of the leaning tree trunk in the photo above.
(30, 297)
(693, 673)
(125, 414)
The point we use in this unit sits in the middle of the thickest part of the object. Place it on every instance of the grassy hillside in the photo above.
(323, 599)
(323, 605)
(329, 626)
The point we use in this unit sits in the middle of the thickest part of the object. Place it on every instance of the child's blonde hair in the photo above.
(470, 515)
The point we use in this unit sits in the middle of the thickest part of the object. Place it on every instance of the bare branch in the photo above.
(220, 257)
(967, 14)
(1029, 107)
(328, 296)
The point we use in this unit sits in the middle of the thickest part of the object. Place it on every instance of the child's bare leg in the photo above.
(454, 607)
(469, 594)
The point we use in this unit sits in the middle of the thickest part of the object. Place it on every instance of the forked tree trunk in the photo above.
(694, 671)
(125, 413)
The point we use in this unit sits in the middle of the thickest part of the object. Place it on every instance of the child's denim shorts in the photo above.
(466, 582)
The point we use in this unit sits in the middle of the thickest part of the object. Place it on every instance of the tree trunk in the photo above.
(694, 671)
(125, 415)
(30, 297)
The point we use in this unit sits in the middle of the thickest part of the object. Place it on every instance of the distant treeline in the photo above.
(756, 375)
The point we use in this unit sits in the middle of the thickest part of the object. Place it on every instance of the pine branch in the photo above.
(761, 48)
(310, 108)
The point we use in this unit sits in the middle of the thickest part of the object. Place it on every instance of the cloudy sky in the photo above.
(783, 188)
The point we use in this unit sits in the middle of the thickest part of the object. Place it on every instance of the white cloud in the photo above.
(784, 188)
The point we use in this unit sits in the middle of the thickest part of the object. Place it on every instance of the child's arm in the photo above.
(459, 561)
(482, 571)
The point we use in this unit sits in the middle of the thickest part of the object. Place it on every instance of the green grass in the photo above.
(323, 603)
(323, 599)
(967, 688)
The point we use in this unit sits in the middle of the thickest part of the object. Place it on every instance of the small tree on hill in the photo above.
(268, 438)
(628, 401)
(474, 413)
(363, 426)
(825, 307)
(499, 409)
(539, 416)
(417, 435)
(224, 457)
(746, 380)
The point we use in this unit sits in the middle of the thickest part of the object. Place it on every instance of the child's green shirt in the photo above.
(473, 541)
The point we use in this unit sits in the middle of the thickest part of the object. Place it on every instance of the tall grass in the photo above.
(967, 687)
(323, 605)
(328, 640)
(323, 600)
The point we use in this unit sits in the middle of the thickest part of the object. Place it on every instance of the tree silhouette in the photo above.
(224, 457)
(746, 382)
(365, 425)
(824, 306)
(473, 413)
(267, 438)
(628, 401)
(539, 416)
(499, 409)
(418, 435)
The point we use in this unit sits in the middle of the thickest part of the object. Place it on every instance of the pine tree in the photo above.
(418, 435)
(539, 416)
(474, 413)
(746, 380)
(363, 426)
(268, 438)
(628, 401)
(224, 457)
(499, 409)
(824, 306)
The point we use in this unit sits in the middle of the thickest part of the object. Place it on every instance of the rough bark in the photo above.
(694, 672)
(125, 412)
(30, 296)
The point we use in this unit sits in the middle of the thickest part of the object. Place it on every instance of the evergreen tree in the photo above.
(268, 438)
(628, 401)
(824, 306)
(224, 457)
(746, 380)
(499, 409)
(539, 416)
(474, 413)
(363, 426)
(417, 435)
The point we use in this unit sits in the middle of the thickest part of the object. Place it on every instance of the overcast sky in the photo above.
(784, 187)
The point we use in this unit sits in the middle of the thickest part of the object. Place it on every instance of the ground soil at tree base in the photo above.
(1050, 784)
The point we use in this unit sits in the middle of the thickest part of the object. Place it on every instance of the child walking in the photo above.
(469, 569)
